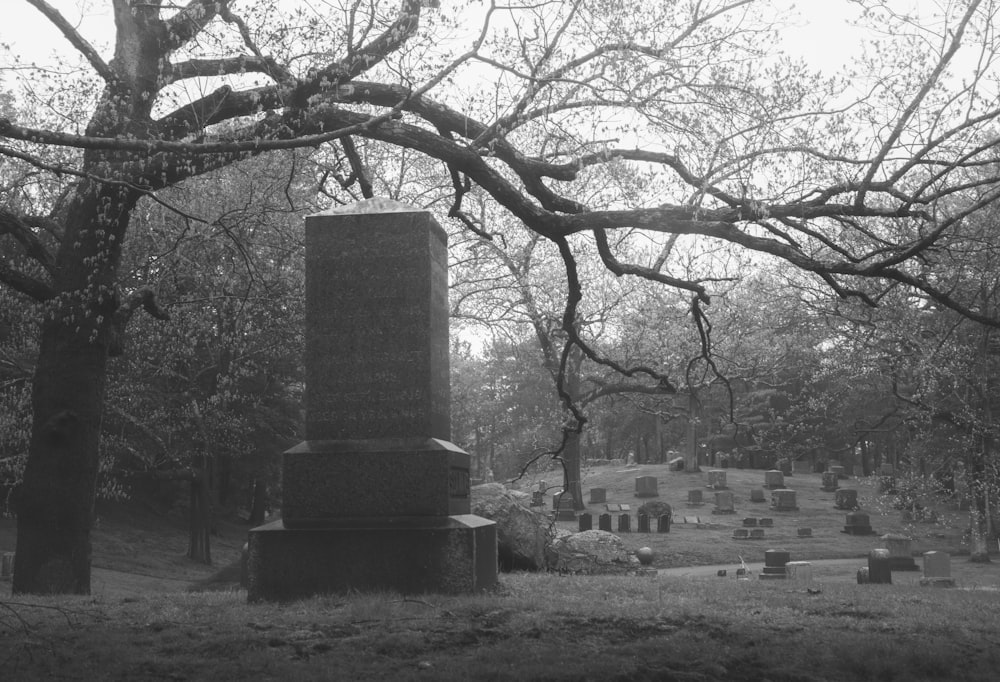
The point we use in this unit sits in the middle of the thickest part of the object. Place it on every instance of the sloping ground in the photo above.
(710, 540)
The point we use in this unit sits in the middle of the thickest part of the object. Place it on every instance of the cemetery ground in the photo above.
(155, 615)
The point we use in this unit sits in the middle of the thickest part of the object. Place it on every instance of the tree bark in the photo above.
(199, 542)
(55, 502)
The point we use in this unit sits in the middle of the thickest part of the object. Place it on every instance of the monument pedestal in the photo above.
(376, 497)
(409, 555)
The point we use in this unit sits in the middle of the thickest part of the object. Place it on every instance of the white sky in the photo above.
(819, 29)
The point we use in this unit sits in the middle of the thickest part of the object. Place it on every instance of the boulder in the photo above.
(590, 552)
(522, 533)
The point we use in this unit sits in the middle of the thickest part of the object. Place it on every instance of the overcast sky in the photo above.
(820, 29)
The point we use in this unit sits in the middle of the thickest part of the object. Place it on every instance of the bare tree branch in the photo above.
(71, 34)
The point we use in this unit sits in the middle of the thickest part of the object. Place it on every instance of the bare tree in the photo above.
(750, 153)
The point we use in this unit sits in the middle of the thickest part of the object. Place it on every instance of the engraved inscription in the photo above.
(458, 482)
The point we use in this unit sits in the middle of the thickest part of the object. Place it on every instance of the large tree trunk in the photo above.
(572, 477)
(55, 502)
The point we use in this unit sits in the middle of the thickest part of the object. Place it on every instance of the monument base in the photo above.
(412, 555)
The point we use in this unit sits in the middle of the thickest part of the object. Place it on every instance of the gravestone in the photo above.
(858, 523)
(724, 502)
(7, 566)
(937, 570)
(624, 523)
(783, 499)
(846, 498)
(839, 470)
(598, 495)
(562, 505)
(830, 481)
(900, 554)
(645, 486)
(695, 498)
(663, 523)
(740, 533)
(376, 497)
(750, 522)
(716, 479)
(757, 495)
(642, 523)
(784, 466)
(879, 567)
(799, 570)
(774, 479)
(804, 532)
(586, 522)
(604, 522)
(537, 499)
(756, 533)
(765, 522)
(774, 564)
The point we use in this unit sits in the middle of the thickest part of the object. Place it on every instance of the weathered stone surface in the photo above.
(522, 534)
(589, 552)
(376, 325)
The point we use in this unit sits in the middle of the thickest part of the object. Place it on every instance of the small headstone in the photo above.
(830, 481)
(695, 498)
(716, 479)
(805, 532)
(756, 533)
(724, 502)
(774, 479)
(740, 533)
(613, 507)
(624, 507)
(537, 499)
(663, 523)
(900, 554)
(879, 567)
(863, 578)
(598, 495)
(937, 570)
(799, 570)
(858, 524)
(847, 499)
(604, 522)
(774, 564)
(765, 522)
(624, 523)
(757, 495)
(643, 523)
(645, 486)
(563, 507)
(692, 519)
(783, 499)
(586, 522)
(750, 522)
(741, 573)
(839, 470)
(721, 573)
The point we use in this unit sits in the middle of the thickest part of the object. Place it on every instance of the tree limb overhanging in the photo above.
(736, 150)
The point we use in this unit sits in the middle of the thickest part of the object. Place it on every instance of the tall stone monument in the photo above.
(376, 497)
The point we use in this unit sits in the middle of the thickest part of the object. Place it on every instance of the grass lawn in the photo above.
(533, 626)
